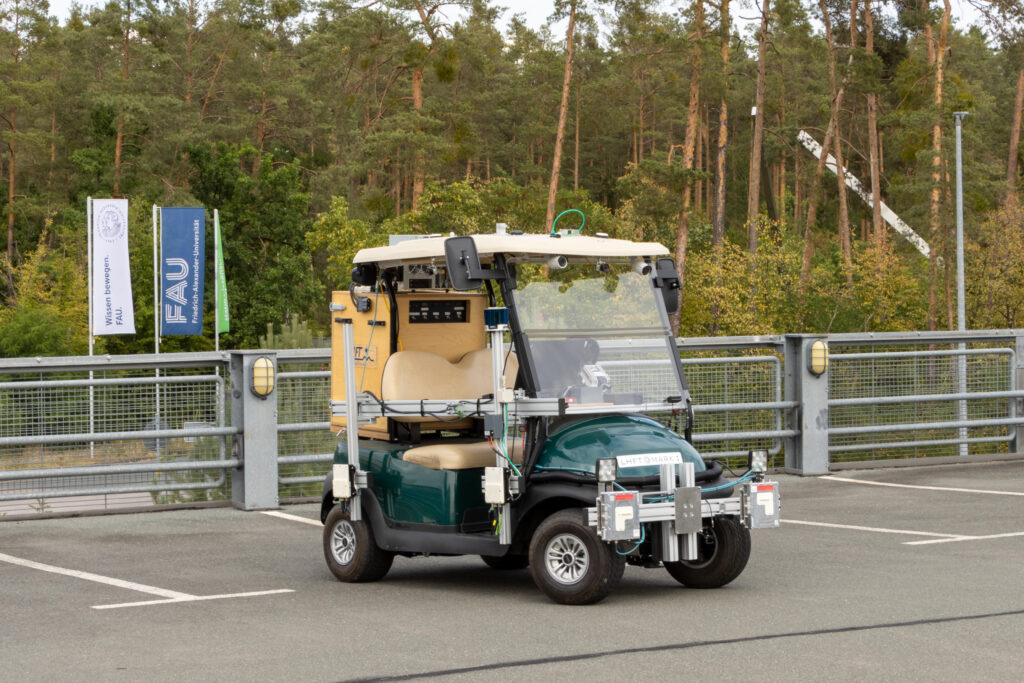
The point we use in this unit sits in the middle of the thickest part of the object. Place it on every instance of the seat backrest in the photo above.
(416, 375)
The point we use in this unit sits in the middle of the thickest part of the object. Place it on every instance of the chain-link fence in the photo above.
(901, 401)
(88, 433)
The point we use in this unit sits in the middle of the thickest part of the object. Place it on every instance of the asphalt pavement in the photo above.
(908, 574)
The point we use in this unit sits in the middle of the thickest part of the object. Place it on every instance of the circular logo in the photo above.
(110, 223)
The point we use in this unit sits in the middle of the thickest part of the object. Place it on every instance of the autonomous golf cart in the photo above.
(507, 395)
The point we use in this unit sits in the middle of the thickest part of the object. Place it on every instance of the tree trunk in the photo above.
(718, 229)
(936, 56)
(754, 184)
(10, 201)
(877, 228)
(844, 211)
(576, 154)
(689, 145)
(418, 163)
(119, 139)
(556, 163)
(1011, 158)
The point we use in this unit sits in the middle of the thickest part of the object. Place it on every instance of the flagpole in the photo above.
(216, 281)
(156, 323)
(92, 393)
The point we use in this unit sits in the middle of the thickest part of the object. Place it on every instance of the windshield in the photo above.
(601, 340)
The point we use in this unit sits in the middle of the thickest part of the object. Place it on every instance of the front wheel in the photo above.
(570, 563)
(722, 553)
(352, 554)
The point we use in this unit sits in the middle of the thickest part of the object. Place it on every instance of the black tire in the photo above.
(352, 554)
(723, 550)
(506, 562)
(570, 563)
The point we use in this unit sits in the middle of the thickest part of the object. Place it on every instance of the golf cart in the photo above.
(507, 396)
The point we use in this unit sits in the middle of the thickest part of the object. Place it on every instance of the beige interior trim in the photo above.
(460, 456)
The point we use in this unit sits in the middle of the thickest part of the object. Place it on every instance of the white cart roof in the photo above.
(522, 247)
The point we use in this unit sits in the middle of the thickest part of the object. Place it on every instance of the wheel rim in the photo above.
(567, 559)
(343, 542)
(707, 548)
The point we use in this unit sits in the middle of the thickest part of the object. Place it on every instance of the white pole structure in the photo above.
(92, 396)
(156, 319)
(216, 281)
(961, 305)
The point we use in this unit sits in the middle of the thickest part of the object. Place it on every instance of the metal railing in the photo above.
(106, 432)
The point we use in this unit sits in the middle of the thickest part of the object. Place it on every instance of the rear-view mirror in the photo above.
(462, 262)
(667, 279)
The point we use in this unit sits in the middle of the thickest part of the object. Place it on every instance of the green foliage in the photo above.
(295, 335)
(296, 121)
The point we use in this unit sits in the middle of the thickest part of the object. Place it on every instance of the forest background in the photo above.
(319, 127)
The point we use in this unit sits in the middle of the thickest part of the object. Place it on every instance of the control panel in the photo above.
(438, 311)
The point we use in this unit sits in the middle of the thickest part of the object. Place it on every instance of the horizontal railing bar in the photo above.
(305, 374)
(311, 479)
(100, 470)
(70, 493)
(46, 439)
(920, 354)
(305, 458)
(924, 426)
(929, 337)
(303, 426)
(914, 444)
(142, 361)
(735, 436)
(113, 381)
(714, 343)
(726, 407)
(924, 398)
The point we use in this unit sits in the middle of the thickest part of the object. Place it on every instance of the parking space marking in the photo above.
(958, 539)
(193, 598)
(168, 596)
(110, 581)
(293, 518)
(877, 530)
(926, 488)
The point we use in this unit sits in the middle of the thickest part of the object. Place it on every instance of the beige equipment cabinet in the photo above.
(420, 332)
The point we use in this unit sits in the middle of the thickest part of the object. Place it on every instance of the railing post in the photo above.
(807, 452)
(254, 410)
(1017, 382)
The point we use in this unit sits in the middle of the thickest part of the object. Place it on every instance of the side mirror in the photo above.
(462, 263)
(667, 280)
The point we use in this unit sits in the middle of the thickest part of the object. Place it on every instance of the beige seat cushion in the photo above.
(460, 456)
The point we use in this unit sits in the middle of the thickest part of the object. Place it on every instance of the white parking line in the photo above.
(966, 538)
(877, 530)
(293, 518)
(193, 598)
(168, 595)
(926, 488)
(120, 583)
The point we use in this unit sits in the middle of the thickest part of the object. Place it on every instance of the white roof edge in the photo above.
(429, 248)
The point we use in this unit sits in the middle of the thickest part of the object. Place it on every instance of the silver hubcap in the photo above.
(343, 542)
(567, 559)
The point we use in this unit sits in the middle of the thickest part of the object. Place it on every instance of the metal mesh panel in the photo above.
(59, 406)
(882, 427)
(718, 382)
(303, 399)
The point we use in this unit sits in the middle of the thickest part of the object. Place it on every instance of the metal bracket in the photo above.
(337, 307)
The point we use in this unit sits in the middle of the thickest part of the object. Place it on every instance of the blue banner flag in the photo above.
(182, 262)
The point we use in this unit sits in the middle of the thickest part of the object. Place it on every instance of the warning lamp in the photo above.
(262, 377)
(817, 357)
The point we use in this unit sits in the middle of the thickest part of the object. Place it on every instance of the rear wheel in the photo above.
(722, 553)
(506, 562)
(351, 552)
(570, 563)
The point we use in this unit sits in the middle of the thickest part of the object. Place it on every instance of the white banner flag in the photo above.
(112, 310)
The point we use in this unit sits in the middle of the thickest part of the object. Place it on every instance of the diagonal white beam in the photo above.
(852, 182)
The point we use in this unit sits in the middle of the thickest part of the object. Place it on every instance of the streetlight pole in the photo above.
(961, 307)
